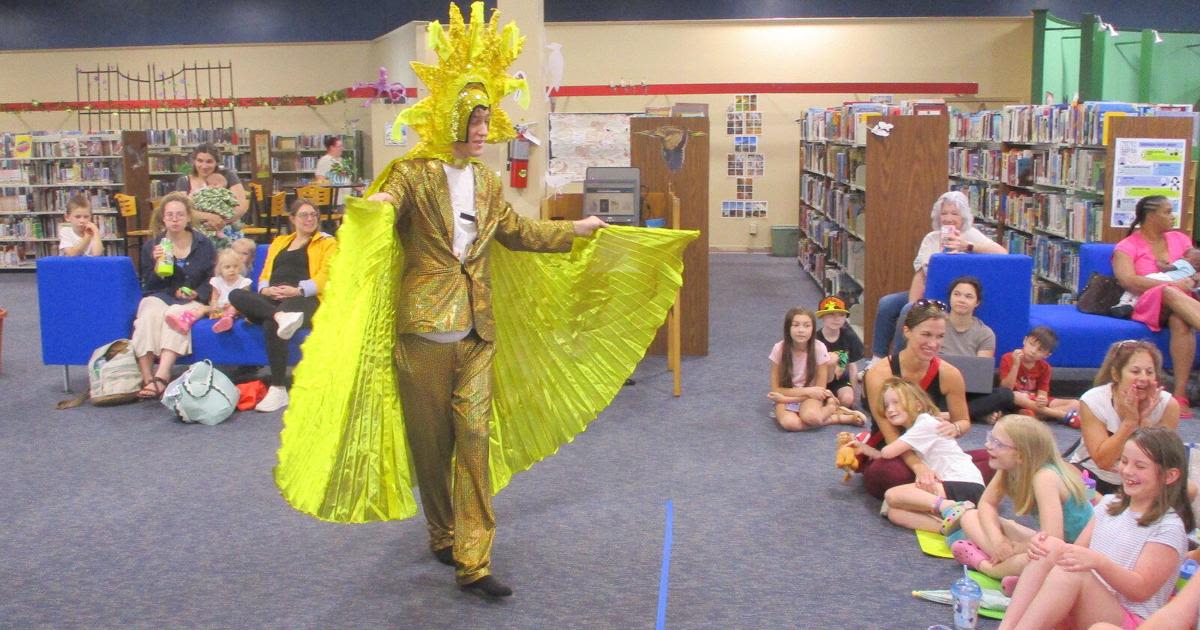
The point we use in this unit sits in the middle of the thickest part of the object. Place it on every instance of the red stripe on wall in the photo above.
(767, 88)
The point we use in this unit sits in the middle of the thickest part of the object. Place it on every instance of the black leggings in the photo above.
(980, 406)
(261, 309)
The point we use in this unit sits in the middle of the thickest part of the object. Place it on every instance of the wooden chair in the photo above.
(252, 227)
(321, 197)
(278, 209)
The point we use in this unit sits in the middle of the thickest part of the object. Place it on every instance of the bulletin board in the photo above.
(578, 141)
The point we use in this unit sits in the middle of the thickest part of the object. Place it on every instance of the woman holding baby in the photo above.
(223, 226)
(1153, 245)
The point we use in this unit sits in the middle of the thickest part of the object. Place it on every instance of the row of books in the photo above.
(851, 122)
(976, 163)
(814, 156)
(1084, 124)
(848, 208)
(1079, 219)
(66, 144)
(294, 163)
(47, 227)
(192, 137)
(1057, 260)
(1081, 169)
(176, 164)
(848, 164)
(74, 172)
(304, 142)
(51, 200)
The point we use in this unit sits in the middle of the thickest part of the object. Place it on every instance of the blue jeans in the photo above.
(886, 317)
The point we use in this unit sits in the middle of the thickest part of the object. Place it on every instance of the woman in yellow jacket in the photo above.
(289, 291)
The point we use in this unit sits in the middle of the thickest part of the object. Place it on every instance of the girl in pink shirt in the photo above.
(798, 377)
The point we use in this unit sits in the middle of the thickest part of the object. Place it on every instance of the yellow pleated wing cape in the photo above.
(570, 328)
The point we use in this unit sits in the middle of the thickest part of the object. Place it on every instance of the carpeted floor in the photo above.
(120, 517)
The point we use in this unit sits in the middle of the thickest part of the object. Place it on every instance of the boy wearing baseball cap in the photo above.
(845, 348)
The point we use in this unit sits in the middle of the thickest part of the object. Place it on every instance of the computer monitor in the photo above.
(613, 193)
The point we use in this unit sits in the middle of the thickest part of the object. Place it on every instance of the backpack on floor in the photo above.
(113, 376)
(201, 394)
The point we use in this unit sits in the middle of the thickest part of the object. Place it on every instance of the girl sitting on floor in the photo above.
(799, 365)
(960, 483)
(1121, 569)
(1029, 471)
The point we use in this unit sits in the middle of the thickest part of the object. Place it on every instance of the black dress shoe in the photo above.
(1121, 311)
(488, 586)
(445, 555)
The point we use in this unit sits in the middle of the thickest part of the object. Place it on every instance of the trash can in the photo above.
(785, 240)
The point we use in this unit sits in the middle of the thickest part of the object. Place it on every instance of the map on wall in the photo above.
(578, 141)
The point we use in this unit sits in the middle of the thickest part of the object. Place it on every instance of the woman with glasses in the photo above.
(1127, 396)
(953, 233)
(918, 363)
(173, 282)
(1153, 244)
(289, 291)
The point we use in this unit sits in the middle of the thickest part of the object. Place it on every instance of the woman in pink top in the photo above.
(1154, 243)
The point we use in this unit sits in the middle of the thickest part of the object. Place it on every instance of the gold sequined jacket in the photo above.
(438, 293)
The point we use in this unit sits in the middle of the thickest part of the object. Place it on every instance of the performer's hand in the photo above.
(382, 196)
(585, 227)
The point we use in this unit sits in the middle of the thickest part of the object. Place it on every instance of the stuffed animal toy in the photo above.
(847, 457)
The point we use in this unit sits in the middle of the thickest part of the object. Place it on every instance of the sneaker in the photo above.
(181, 322)
(276, 399)
(223, 324)
(883, 509)
(1071, 419)
(289, 323)
(1185, 407)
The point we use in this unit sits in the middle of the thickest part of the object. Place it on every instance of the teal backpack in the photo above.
(201, 394)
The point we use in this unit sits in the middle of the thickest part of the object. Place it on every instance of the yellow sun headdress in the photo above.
(472, 71)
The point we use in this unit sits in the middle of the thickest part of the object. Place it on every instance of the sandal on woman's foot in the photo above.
(951, 515)
(152, 390)
(857, 418)
(968, 553)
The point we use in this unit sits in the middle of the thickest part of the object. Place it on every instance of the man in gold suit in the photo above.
(447, 215)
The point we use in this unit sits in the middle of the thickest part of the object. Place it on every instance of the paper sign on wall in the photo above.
(1143, 167)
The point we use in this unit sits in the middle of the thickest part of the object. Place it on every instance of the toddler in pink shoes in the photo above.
(230, 270)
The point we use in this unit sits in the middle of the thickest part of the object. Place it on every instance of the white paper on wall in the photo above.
(578, 141)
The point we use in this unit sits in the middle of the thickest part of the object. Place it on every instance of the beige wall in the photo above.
(993, 52)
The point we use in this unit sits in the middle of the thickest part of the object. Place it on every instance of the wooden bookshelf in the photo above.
(865, 202)
(904, 178)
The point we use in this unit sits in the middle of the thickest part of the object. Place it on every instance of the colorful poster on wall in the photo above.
(1143, 167)
(392, 141)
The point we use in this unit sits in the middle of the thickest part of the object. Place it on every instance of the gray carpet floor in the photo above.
(121, 517)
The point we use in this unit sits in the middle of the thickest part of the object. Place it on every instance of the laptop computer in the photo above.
(979, 373)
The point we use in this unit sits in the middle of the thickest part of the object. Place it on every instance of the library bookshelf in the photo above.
(865, 200)
(1038, 177)
(39, 173)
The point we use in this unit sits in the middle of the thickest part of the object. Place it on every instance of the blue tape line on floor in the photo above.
(665, 577)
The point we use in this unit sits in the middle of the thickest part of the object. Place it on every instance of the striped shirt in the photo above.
(1122, 539)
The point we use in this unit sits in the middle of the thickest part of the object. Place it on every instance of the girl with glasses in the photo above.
(1029, 471)
(289, 291)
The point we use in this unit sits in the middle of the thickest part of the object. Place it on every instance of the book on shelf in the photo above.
(189, 138)
(22, 146)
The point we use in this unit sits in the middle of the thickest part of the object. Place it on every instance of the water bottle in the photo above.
(966, 594)
(1186, 572)
(947, 232)
(166, 266)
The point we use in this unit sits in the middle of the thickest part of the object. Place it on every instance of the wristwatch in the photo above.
(970, 247)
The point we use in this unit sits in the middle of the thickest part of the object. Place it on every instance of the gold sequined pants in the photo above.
(447, 393)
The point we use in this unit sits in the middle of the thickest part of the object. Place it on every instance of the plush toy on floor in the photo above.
(846, 458)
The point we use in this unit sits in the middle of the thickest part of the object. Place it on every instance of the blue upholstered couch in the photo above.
(1083, 339)
(1007, 283)
(88, 302)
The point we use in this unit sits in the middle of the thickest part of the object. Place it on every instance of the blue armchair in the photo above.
(1007, 287)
